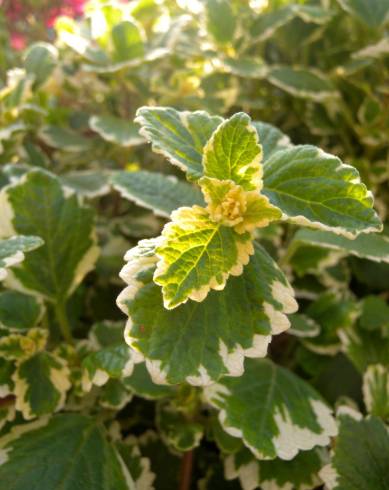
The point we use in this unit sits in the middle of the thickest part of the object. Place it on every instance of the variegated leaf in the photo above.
(65, 448)
(316, 189)
(111, 357)
(217, 333)
(179, 136)
(276, 413)
(116, 130)
(178, 432)
(138, 466)
(376, 390)
(300, 473)
(38, 204)
(234, 153)
(12, 250)
(197, 254)
(41, 383)
(19, 311)
(361, 454)
(160, 193)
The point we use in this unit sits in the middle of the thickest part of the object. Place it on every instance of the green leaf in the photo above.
(19, 311)
(220, 20)
(71, 452)
(374, 13)
(246, 67)
(365, 347)
(116, 130)
(40, 61)
(12, 250)
(372, 246)
(301, 82)
(276, 413)
(177, 430)
(87, 183)
(160, 193)
(265, 24)
(37, 204)
(376, 390)
(137, 464)
(197, 255)
(142, 385)
(21, 346)
(226, 443)
(114, 395)
(303, 326)
(316, 189)
(41, 383)
(179, 136)
(127, 41)
(300, 473)
(375, 313)
(233, 153)
(111, 359)
(361, 454)
(6, 384)
(64, 139)
(200, 342)
(271, 139)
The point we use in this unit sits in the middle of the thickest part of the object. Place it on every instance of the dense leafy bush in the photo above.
(214, 380)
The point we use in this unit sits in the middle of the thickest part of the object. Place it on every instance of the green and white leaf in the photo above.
(19, 311)
(160, 193)
(316, 189)
(177, 430)
(361, 454)
(111, 359)
(266, 24)
(178, 136)
(114, 395)
(20, 346)
(376, 390)
(40, 61)
(302, 326)
(71, 452)
(64, 139)
(12, 249)
(196, 255)
(141, 384)
(6, 384)
(300, 473)
(116, 130)
(313, 13)
(214, 335)
(7, 412)
(138, 466)
(276, 413)
(234, 153)
(271, 139)
(372, 246)
(41, 383)
(87, 183)
(245, 67)
(301, 82)
(38, 204)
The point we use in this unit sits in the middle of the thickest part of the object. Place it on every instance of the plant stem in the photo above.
(63, 321)
(186, 471)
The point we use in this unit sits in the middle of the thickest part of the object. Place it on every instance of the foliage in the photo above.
(275, 122)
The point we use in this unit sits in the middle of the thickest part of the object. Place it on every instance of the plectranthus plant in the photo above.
(205, 299)
(206, 294)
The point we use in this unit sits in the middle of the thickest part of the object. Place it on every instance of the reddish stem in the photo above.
(186, 471)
